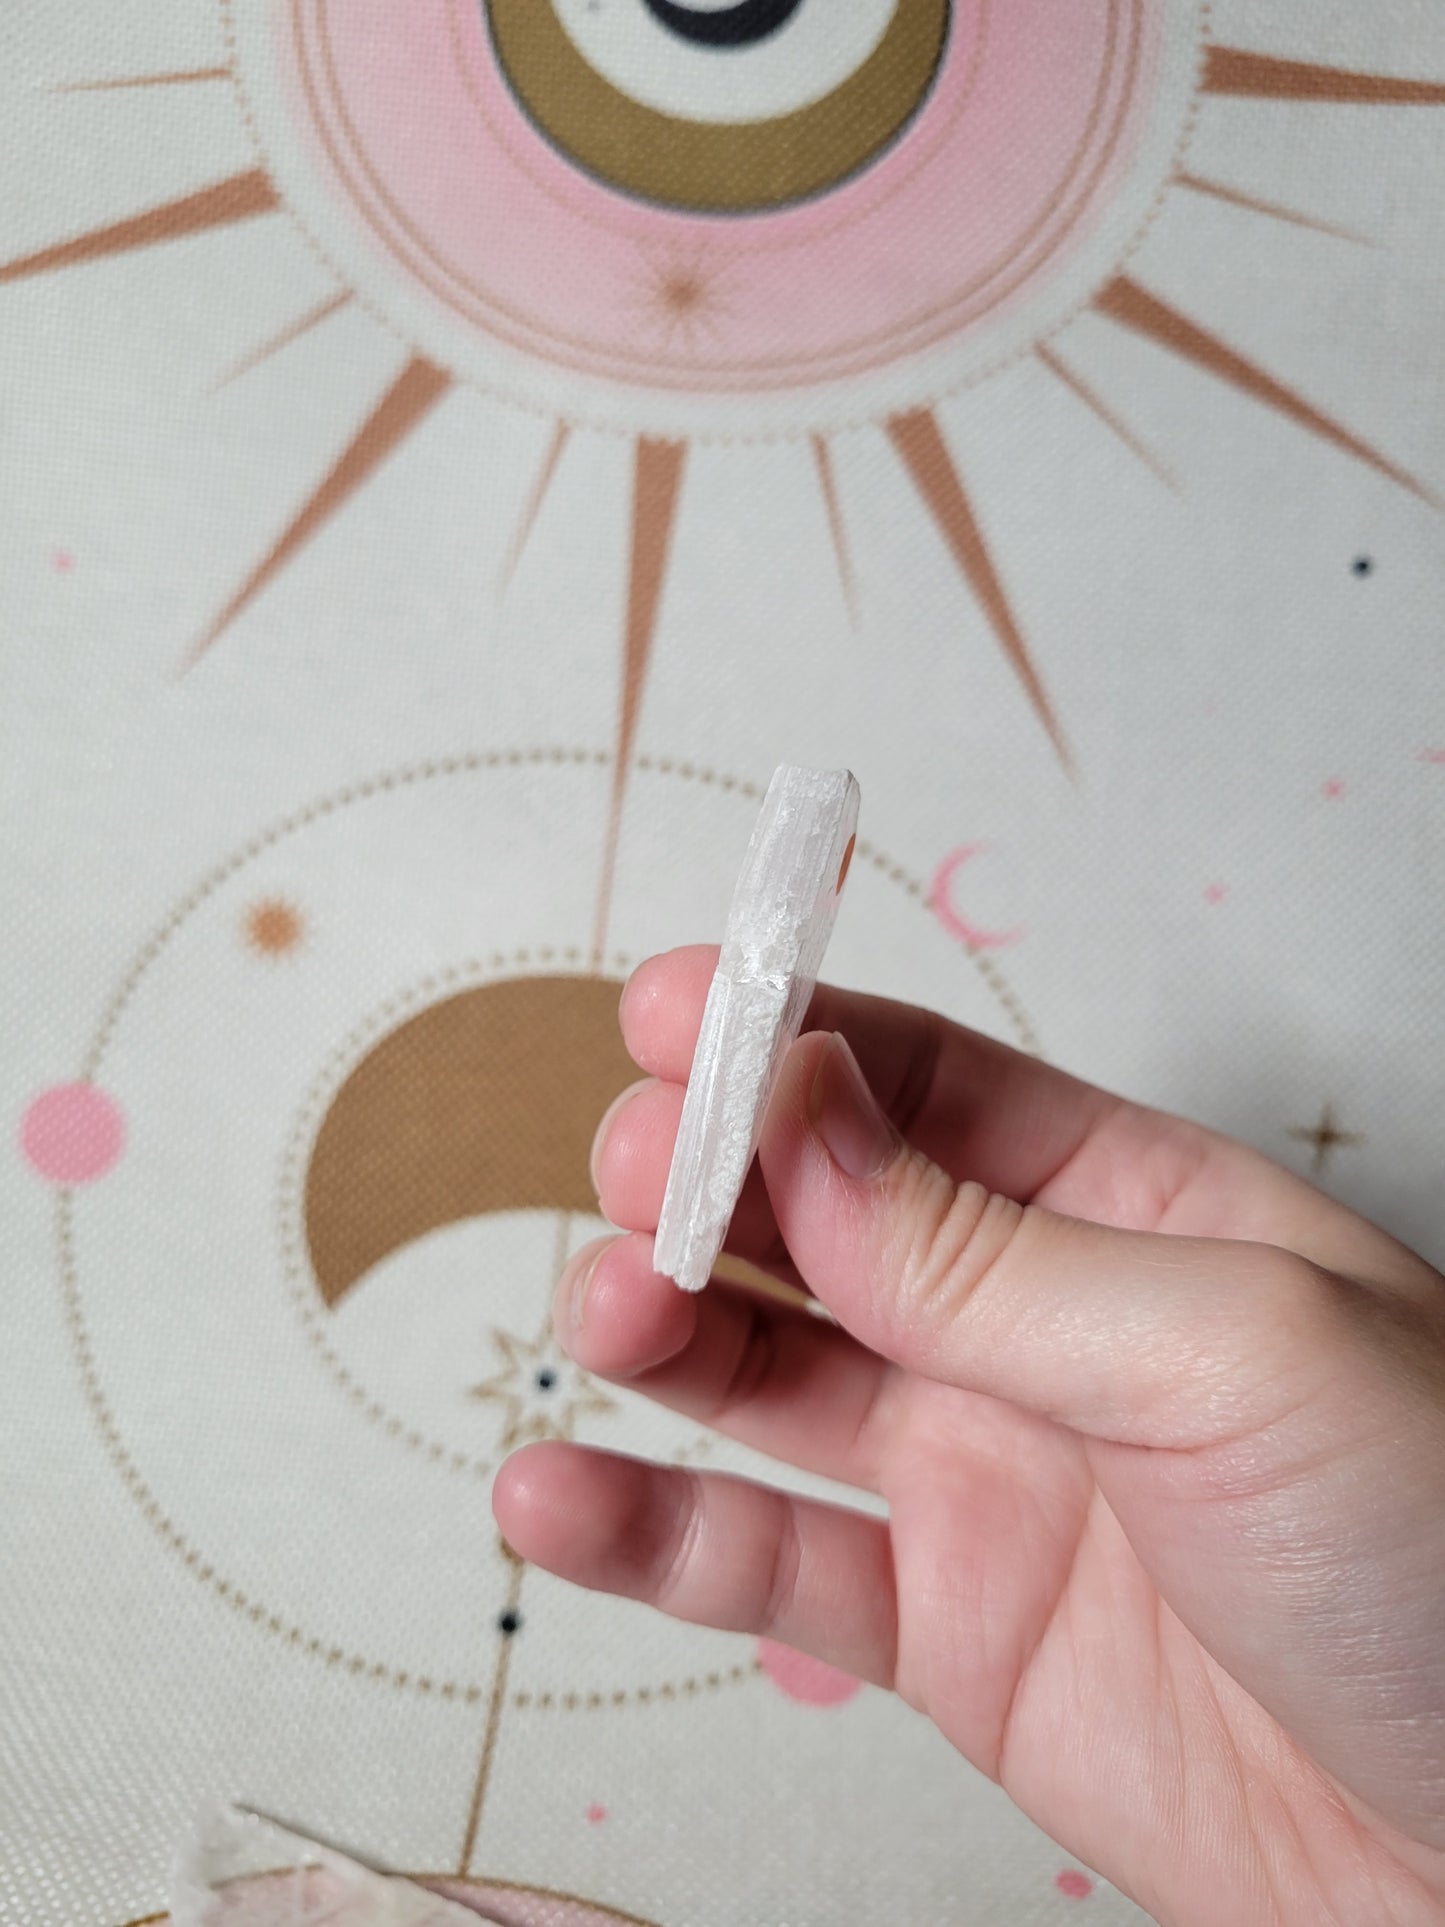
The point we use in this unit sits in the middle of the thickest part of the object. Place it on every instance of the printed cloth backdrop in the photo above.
(451, 451)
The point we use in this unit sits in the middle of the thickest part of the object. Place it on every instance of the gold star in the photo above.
(1326, 1137)
(541, 1392)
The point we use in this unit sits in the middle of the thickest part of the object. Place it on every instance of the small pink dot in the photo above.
(1076, 1885)
(1334, 787)
(63, 560)
(72, 1133)
(1215, 893)
(1432, 755)
(804, 1678)
(596, 1815)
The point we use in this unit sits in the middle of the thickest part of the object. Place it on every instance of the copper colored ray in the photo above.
(293, 331)
(919, 441)
(184, 77)
(236, 199)
(535, 500)
(1133, 306)
(1272, 208)
(827, 481)
(1093, 400)
(418, 388)
(496, 1700)
(656, 480)
(1235, 70)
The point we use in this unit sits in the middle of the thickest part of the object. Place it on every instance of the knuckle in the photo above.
(957, 1235)
(675, 1556)
(780, 1574)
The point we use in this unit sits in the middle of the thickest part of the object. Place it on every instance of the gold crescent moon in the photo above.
(718, 167)
(484, 1102)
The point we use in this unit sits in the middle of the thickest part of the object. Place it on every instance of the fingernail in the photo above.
(845, 1114)
(609, 1118)
(570, 1298)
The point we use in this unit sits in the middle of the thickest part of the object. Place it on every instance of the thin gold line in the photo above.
(656, 482)
(823, 458)
(1272, 208)
(182, 78)
(239, 198)
(1091, 399)
(560, 1242)
(415, 391)
(494, 1724)
(538, 495)
(1132, 305)
(919, 441)
(292, 332)
(1245, 74)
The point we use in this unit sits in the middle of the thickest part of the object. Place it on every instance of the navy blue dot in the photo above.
(509, 1622)
(546, 1379)
(1362, 565)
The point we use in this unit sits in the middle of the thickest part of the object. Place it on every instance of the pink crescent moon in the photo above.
(941, 902)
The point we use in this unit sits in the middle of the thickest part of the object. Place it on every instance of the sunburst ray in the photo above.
(828, 483)
(919, 441)
(182, 77)
(293, 331)
(1198, 184)
(1091, 399)
(239, 198)
(1133, 306)
(533, 507)
(1238, 71)
(416, 390)
(656, 482)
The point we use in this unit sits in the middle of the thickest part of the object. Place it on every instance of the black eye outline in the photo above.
(741, 25)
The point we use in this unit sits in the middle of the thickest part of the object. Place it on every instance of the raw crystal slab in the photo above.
(782, 915)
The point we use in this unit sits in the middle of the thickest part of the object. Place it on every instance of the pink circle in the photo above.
(1076, 1885)
(804, 1678)
(63, 560)
(1032, 121)
(72, 1133)
(1215, 892)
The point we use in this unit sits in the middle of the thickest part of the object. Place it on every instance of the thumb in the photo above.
(1133, 1336)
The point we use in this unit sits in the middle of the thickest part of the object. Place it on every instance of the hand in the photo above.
(1161, 1430)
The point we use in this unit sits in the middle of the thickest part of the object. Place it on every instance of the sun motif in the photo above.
(688, 223)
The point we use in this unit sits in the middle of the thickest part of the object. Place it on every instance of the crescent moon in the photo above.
(484, 1102)
(954, 922)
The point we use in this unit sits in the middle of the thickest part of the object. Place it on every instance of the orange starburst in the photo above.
(682, 300)
(274, 928)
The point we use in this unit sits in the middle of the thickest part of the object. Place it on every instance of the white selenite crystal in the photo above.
(777, 930)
